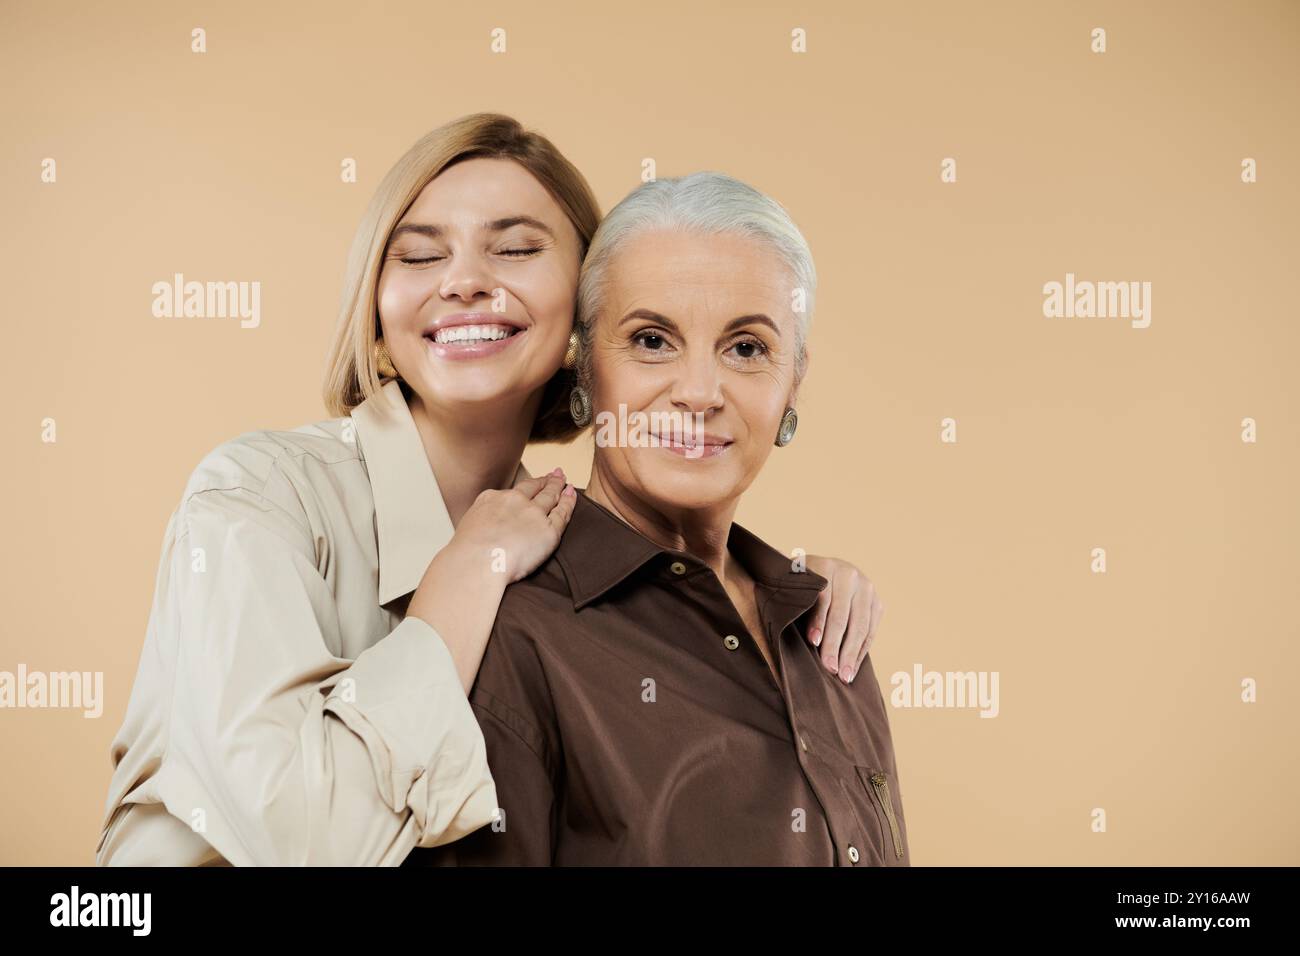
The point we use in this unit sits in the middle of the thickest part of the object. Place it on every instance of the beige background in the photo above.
(1119, 691)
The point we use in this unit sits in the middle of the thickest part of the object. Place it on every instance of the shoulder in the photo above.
(252, 460)
(535, 608)
(287, 471)
(531, 619)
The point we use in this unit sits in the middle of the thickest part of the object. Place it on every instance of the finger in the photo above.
(530, 487)
(861, 624)
(547, 498)
(837, 619)
(817, 624)
(855, 635)
(877, 612)
(563, 511)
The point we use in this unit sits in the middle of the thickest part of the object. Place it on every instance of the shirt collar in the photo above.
(599, 550)
(411, 520)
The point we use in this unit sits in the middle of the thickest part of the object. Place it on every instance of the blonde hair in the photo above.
(352, 374)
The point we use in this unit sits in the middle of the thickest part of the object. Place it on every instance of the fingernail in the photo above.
(816, 636)
(556, 471)
(570, 490)
(847, 674)
(833, 667)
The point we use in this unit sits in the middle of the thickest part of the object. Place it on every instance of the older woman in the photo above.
(648, 696)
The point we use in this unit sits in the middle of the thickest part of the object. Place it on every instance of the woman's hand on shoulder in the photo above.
(518, 528)
(845, 618)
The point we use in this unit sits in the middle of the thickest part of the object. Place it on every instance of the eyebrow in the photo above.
(649, 315)
(496, 225)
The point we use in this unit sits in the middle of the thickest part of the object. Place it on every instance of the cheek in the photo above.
(619, 379)
(399, 297)
(761, 401)
(548, 296)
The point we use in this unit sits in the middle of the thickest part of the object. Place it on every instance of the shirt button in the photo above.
(730, 642)
(678, 567)
(853, 853)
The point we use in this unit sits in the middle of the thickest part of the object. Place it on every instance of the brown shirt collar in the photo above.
(600, 550)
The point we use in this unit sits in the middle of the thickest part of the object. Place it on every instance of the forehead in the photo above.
(475, 190)
(684, 274)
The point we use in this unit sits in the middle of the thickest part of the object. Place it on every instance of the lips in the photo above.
(470, 335)
(695, 446)
(488, 332)
(473, 319)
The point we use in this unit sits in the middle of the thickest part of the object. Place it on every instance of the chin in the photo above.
(687, 486)
(477, 389)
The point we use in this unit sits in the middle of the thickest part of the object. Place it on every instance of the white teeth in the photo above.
(473, 333)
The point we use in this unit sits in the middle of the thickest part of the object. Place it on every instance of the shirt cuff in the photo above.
(404, 699)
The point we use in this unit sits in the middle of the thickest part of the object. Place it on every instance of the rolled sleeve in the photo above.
(404, 699)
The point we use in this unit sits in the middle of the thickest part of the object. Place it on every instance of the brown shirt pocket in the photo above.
(876, 803)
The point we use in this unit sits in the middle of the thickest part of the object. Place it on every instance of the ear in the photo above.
(807, 364)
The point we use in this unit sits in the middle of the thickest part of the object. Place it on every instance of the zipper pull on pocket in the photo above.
(880, 783)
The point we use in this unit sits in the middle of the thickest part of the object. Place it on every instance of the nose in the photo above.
(466, 277)
(697, 386)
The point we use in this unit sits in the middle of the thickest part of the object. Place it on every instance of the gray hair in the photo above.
(706, 202)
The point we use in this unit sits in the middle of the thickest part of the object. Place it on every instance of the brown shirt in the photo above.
(630, 718)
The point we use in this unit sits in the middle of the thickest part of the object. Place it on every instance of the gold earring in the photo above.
(383, 361)
(571, 355)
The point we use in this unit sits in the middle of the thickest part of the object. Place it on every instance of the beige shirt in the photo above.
(284, 711)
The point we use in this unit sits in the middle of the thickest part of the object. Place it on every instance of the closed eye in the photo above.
(512, 253)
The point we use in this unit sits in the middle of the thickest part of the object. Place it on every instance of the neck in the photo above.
(700, 532)
(475, 447)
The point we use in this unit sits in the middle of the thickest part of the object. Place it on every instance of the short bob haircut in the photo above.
(352, 375)
(707, 203)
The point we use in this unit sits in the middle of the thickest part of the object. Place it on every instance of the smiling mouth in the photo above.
(691, 447)
(472, 334)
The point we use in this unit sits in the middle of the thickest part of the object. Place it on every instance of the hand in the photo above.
(461, 589)
(524, 522)
(845, 618)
